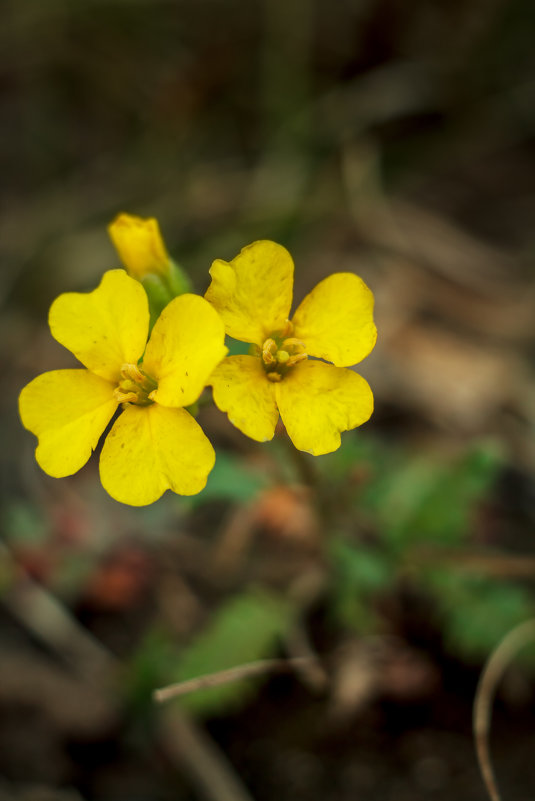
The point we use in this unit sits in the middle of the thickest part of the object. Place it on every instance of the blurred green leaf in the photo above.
(148, 668)
(246, 628)
(231, 480)
(355, 451)
(24, 524)
(424, 501)
(359, 573)
(478, 611)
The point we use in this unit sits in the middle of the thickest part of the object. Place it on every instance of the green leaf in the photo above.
(478, 611)
(248, 627)
(355, 451)
(424, 501)
(359, 573)
(148, 668)
(24, 525)
(231, 480)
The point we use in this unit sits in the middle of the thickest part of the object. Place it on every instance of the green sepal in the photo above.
(158, 294)
(177, 279)
(162, 289)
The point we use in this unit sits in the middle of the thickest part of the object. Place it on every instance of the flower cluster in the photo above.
(148, 381)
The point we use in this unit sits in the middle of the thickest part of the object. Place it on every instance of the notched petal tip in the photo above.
(253, 292)
(105, 328)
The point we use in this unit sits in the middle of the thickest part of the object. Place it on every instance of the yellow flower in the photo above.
(253, 295)
(140, 245)
(155, 444)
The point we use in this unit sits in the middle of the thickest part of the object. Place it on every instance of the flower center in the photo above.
(281, 352)
(134, 386)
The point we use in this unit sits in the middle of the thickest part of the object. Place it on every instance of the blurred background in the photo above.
(393, 139)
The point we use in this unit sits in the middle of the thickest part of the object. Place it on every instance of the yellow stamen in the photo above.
(294, 344)
(135, 386)
(296, 358)
(132, 372)
(288, 329)
(269, 348)
(278, 354)
(124, 397)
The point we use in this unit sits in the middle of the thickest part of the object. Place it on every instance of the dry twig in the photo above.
(493, 671)
(246, 671)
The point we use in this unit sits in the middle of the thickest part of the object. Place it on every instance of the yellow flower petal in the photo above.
(140, 245)
(151, 449)
(335, 320)
(253, 292)
(242, 390)
(317, 401)
(104, 328)
(186, 343)
(67, 410)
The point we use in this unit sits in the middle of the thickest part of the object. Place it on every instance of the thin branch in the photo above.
(493, 671)
(250, 669)
(187, 744)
